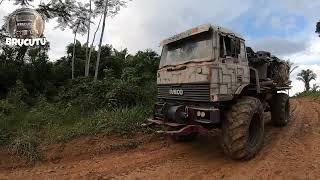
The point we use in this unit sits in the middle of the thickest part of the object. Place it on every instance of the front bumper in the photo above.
(186, 114)
(183, 119)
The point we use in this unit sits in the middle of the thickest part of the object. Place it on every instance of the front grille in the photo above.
(191, 92)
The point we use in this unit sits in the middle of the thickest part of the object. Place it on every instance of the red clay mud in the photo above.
(292, 152)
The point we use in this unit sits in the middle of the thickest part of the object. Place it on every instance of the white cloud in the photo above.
(311, 55)
(145, 23)
(279, 46)
(307, 59)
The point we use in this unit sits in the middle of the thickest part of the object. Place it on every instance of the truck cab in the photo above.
(207, 64)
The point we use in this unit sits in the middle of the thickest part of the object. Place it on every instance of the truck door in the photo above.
(233, 64)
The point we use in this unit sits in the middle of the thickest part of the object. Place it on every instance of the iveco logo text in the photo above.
(178, 92)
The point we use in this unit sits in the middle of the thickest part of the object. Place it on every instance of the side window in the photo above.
(223, 52)
(243, 51)
(229, 46)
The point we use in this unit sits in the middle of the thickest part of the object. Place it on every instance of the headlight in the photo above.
(203, 114)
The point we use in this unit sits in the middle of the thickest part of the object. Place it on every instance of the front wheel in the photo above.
(243, 129)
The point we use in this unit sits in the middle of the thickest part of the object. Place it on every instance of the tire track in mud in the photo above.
(296, 150)
(292, 152)
(283, 155)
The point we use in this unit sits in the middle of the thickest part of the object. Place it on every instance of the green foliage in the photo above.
(40, 76)
(25, 145)
(39, 102)
(5, 107)
(113, 9)
(109, 94)
(308, 94)
(4, 136)
(52, 123)
(128, 81)
(30, 66)
(17, 94)
(124, 121)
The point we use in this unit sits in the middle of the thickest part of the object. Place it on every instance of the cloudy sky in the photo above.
(286, 27)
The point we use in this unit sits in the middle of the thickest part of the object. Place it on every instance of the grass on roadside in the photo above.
(123, 122)
(308, 94)
(23, 130)
(26, 146)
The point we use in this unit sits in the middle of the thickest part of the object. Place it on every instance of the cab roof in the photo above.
(198, 30)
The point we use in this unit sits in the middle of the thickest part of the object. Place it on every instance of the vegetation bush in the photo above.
(39, 103)
(308, 94)
(102, 94)
(5, 107)
(26, 146)
(4, 136)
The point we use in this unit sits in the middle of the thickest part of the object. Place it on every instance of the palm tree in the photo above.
(306, 76)
(107, 8)
(291, 66)
(315, 87)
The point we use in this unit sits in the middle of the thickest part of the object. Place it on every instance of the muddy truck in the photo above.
(208, 79)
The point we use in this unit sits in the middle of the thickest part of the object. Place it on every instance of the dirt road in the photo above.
(292, 152)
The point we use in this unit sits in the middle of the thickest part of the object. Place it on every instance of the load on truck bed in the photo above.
(269, 67)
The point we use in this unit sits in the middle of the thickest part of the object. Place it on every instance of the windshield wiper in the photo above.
(165, 66)
(198, 62)
(188, 62)
(177, 69)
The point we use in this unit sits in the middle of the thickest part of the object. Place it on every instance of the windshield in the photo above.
(192, 48)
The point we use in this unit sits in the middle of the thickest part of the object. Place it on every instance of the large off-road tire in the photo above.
(243, 129)
(280, 109)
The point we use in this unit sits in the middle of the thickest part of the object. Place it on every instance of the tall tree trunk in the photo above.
(86, 68)
(73, 55)
(91, 46)
(307, 85)
(101, 38)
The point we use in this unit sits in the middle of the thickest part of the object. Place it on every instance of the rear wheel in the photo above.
(280, 109)
(243, 129)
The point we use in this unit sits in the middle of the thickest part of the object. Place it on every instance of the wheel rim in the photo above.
(254, 130)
